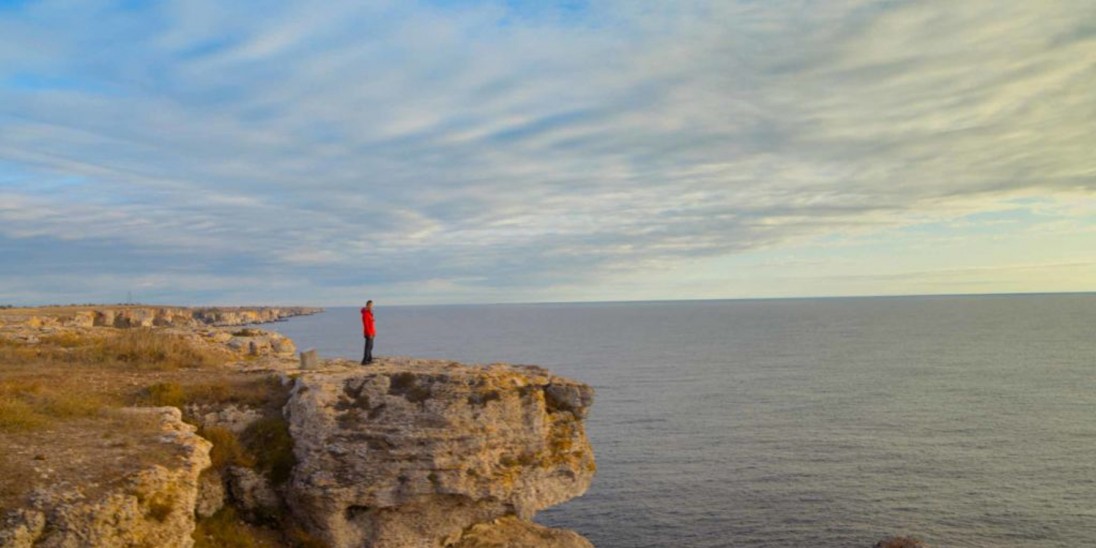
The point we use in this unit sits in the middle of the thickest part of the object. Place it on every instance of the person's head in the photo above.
(369, 304)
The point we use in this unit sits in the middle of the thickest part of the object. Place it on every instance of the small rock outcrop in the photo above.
(256, 342)
(153, 507)
(417, 453)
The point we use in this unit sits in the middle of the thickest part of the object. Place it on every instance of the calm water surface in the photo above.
(966, 421)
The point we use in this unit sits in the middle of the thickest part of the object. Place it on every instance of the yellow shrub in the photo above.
(16, 414)
(166, 393)
(225, 530)
(79, 404)
(227, 449)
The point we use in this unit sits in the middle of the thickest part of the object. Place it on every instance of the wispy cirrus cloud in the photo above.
(511, 151)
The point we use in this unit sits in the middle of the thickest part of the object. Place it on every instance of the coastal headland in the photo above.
(172, 426)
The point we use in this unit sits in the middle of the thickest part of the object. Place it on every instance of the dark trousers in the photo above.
(368, 350)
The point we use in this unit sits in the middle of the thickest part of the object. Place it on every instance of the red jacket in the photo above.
(368, 328)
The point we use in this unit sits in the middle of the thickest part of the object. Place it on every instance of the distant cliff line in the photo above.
(125, 316)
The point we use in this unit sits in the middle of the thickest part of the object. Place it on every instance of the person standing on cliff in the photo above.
(369, 329)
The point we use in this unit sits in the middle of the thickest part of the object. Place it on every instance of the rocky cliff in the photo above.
(426, 453)
(402, 453)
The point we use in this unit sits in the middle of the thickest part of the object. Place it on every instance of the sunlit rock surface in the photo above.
(414, 453)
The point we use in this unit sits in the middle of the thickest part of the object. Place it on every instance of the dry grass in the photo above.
(78, 373)
(93, 452)
(34, 403)
(46, 382)
(225, 529)
(19, 476)
(12, 352)
(227, 449)
(55, 396)
(169, 393)
(142, 349)
(16, 414)
(262, 392)
(149, 348)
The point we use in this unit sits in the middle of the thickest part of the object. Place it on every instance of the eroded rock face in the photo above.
(252, 493)
(211, 494)
(154, 507)
(413, 453)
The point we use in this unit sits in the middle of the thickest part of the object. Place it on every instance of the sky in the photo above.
(421, 152)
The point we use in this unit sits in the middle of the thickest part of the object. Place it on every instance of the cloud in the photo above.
(500, 150)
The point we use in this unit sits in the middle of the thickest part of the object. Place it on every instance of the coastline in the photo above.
(218, 433)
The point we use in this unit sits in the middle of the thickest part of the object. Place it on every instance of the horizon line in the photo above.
(530, 303)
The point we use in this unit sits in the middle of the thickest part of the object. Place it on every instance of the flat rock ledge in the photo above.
(154, 507)
(431, 453)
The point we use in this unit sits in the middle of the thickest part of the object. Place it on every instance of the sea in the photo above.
(959, 420)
